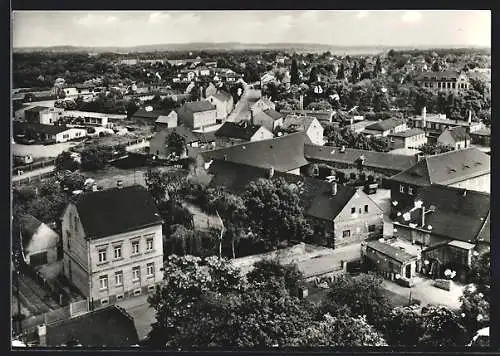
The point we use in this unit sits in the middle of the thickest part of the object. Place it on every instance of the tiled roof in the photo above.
(222, 95)
(37, 109)
(385, 125)
(199, 106)
(316, 196)
(165, 119)
(447, 168)
(242, 130)
(459, 133)
(374, 159)
(436, 76)
(29, 225)
(408, 133)
(106, 327)
(113, 211)
(459, 214)
(283, 153)
(390, 251)
(298, 122)
(273, 114)
(153, 115)
(485, 131)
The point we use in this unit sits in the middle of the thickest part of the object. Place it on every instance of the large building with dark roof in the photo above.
(283, 154)
(112, 243)
(339, 215)
(385, 127)
(231, 133)
(468, 168)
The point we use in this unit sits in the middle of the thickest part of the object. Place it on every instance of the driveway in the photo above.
(424, 291)
(42, 150)
(241, 110)
(144, 316)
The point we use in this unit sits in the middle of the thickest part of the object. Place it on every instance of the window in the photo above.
(366, 208)
(150, 269)
(136, 273)
(103, 282)
(353, 210)
(401, 188)
(410, 190)
(102, 255)
(371, 228)
(118, 251)
(346, 233)
(149, 244)
(119, 278)
(135, 247)
(119, 297)
(453, 85)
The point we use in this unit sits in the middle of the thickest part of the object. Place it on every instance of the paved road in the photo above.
(241, 110)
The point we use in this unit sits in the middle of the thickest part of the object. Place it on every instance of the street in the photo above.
(241, 110)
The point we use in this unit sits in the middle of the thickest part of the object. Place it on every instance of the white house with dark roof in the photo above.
(112, 244)
(39, 242)
(310, 125)
(412, 138)
(197, 114)
(224, 103)
(262, 104)
(444, 81)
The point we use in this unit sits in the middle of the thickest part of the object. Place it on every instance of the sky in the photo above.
(338, 28)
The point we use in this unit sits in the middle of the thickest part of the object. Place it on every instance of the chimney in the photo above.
(301, 102)
(469, 119)
(119, 183)
(334, 188)
(42, 335)
(270, 172)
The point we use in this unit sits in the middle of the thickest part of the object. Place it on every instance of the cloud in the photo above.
(362, 14)
(157, 17)
(91, 20)
(411, 16)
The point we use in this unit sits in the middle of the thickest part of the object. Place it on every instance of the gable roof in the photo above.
(222, 95)
(273, 114)
(298, 122)
(283, 153)
(458, 133)
(436, 76)
(447, 168)
(264, 100)
(165, 119)
(29, 225)
(242, 130)
(113, 211)
(109, 327)
(374, 159)
(198, 106)
(385, 125)
(315, 193)
(460, 214)
(390, 251)
(37, 109)
(408, 133)
(321, 115)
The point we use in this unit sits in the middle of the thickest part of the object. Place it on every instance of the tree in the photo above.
(66, 162)
(73, 181)
(441, 327)
(319, 105)
(434, 148)
(341, 331)
(355, 73)
(363, 295)
(294, 73)
(340, 72)
(378, 67)
(436, 67)
(94, 157)
(284, 219)
(176, 143)
(131, 108)
(480, 273)
(313, 75)
(474, 310)
(403, 326)
(265, 270)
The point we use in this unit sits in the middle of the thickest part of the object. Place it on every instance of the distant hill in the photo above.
(227, 46)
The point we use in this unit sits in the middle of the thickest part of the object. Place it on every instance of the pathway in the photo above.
(241, 110)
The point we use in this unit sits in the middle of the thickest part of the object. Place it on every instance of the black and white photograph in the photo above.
(250, 179)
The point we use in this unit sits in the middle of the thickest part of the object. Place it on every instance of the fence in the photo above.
(33, 178)
(32, 166)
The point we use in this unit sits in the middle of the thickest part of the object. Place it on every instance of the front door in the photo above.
(408, 271)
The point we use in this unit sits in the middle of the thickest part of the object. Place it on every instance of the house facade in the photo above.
(223, 102)
(345, 216)
(385, 127)
(412, 138)
(197, 114)
(167, 121)
(269, 118)
(112, 243)
(39, 242)
(264, 103)
(456, 137)
(310, 125)
(449, 81)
